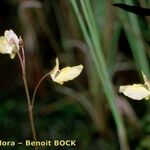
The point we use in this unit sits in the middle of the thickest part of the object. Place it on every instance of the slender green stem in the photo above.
(92, 40)
(36, 88)
(133, 32)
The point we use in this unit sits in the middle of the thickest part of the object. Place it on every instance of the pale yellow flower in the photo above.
(65, 74)
(9, 43)
(137, 91)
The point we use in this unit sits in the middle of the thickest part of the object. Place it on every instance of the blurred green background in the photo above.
(113, 45)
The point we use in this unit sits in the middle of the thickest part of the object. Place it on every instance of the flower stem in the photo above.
(33, 97)
(30, 108)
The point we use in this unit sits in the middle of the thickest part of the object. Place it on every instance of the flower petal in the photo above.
(12, 38)
(5, 48)
(68, 73)
(55, 70)
(65, 74)
(135, 91)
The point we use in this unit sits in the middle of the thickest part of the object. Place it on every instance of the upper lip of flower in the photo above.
(12, 38)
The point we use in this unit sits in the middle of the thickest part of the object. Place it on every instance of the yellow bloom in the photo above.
(137, 91)
(9, 43)
(65, 74)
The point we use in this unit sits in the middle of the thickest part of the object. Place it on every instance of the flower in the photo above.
(9, 43)
(65, 74)
(137, 91)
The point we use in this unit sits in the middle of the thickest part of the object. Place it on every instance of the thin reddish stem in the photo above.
(30, 108)
(36, 88)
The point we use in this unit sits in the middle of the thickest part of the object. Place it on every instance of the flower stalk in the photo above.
(30, 107)
(36, 88)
